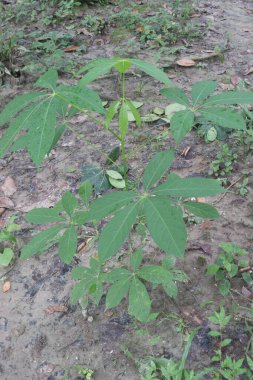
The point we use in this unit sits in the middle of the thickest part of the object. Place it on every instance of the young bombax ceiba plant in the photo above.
(161, 206)
(42, 117)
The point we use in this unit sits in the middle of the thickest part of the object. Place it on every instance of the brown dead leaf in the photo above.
(9, 186)
(56, 309)
(248, 294)
(6, 202)
(82, 247)
(235, 79)
(185, 62)
(185, 151)
(249, 71)
(6, 286)
(201, 200)
(2, 210)
(85, 32)
(71, 49)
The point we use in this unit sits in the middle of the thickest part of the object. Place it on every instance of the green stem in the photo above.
(124, 159)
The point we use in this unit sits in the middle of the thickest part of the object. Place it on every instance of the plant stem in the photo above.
(124, 159)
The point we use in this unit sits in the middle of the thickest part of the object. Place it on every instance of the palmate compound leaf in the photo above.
(40, 242)
(178, 187)
(226, 118)
(157, 167)
(116, 231)
(166, 226)
(202, 210)
(201, 90)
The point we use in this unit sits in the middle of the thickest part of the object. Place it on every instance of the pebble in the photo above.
(90, 319)
(3, 324)
(18, 330)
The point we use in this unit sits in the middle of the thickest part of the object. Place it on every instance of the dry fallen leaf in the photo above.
(235, 79)
(70, 49)
(2, 210)
(56, 309)
(185, 151)
(247, 293)
(6, 286)
(9, 186)
(185, 62)
(249, 71)
(84, 31)
(6, 202)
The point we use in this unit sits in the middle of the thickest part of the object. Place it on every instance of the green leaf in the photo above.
(85, 191)
(201, 90)
(170, 111)
(25, 121)
(155, 274)
(116, 231)
(212, 269)
(117, 275)
(41, 136)
(226, 342)
(113, 174)
(178, 187)
(111, 112)
(40, 242)
(69, 203)
(117, 292)
(80, 217)
(157, 167)
(17, 104)
(166, 225)
(152, 70)
(78, 292)
(43, 216)
(214, 333)
(59, 131)
(226, 118)
(250, 362)
(6, 256)
(95, 72)
(123, 119)
(113, 155)
(80, 98)
(135, 112)
(170, 289)
(176, 95)
(48, 80)
(136, 259)
(97, 177)
(122, 64)
(224, 287)
(109, 203)
(139, 301)
(68, 245)
(117, 183)
(181, 123)
(231, 97)
(202, 210)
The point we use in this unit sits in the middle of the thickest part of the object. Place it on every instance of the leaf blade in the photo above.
(157, 167)
(68, 245)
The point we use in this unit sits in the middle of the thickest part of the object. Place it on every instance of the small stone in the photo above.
(18, 330)
(3, 324)
(90, 319)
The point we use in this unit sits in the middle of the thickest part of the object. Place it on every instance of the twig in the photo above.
(227, 189)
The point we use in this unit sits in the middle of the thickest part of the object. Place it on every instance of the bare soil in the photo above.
(36, 344)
